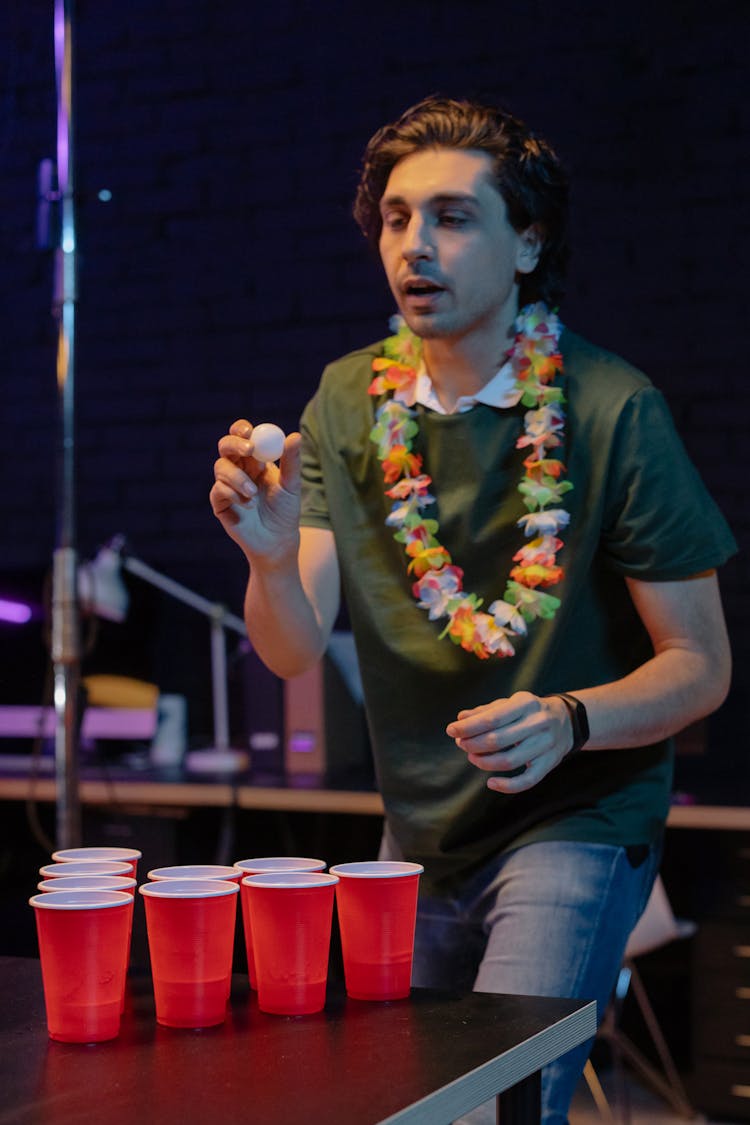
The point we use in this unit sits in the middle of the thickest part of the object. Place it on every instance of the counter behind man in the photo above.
(511, 516)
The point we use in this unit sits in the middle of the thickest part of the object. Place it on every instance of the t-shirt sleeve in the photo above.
(660, 523)
(314, 511)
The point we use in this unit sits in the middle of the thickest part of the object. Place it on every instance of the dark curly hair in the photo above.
(528, 175)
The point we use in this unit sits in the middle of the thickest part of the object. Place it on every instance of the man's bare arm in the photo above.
(293, 589)
(290, 610)
(686, 678)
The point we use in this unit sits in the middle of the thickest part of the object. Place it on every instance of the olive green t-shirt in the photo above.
(638, 508)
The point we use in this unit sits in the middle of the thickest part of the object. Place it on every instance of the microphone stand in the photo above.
(65, 616)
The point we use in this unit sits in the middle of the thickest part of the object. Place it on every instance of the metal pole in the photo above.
(65, 618)
(219, 683)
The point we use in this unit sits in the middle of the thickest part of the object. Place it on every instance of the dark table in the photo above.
(427, 1060)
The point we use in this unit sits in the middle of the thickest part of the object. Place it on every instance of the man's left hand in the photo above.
(522, 738)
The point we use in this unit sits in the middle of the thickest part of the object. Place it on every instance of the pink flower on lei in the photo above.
(437, 588)
(539, 552)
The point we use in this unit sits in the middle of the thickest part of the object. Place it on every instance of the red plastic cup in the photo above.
(94, 883)
(268, 864)
(88, 883)
(291, 914)
(115, 855)
(196, 871)
(377, 910)
(262, 866)
(190, 927)
(90, 867)
(83, 948)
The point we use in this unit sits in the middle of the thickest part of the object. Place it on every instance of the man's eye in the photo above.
(394, 221)
(452, 218)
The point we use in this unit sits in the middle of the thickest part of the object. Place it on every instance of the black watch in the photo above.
(578, 720)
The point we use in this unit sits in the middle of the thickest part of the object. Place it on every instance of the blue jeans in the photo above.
(548, 919)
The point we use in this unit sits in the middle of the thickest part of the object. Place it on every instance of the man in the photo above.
(528, 560)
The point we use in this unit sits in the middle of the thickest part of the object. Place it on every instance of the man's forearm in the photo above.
(686, 678)
(281, 622)
(663, 696)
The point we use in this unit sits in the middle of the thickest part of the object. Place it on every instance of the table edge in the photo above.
(481, 1084)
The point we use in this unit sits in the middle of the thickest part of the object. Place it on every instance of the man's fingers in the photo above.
(241, 428)
(234, 447)
(226, 472)
(222, 498)
(289, 464)
(533, 773)
(508, 718)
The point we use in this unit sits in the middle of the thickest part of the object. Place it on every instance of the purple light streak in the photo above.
(18, 613)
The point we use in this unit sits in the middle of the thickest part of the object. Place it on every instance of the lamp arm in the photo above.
(214, 610)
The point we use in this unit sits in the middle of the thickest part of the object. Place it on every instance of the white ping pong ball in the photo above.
(267, 442)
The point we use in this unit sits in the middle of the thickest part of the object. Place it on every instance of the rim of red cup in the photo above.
(188, 888)
(68, 855)
(86, 883)
(80, 900)
(376, 869)
(85, 867)
(272, 863)
(283, 879)
(190, 871)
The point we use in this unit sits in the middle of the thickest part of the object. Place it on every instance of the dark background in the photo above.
(226, 270)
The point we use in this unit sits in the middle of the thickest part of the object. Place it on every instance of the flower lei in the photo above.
(535, 361)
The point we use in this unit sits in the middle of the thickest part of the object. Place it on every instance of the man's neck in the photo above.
(462, 367)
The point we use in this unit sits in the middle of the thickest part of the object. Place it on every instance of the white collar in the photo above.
(500, 392)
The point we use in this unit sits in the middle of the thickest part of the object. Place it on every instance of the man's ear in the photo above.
(530, 250)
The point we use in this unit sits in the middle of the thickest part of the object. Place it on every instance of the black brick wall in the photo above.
(226, 270)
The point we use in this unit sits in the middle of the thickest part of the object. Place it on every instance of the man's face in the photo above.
(450, 254)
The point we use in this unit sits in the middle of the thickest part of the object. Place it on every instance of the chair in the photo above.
(656, 928)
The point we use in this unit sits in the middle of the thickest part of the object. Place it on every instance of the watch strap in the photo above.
(578, 720)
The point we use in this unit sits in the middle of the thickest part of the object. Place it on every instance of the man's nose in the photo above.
(417, 241)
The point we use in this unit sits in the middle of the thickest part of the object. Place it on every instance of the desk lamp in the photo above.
(102, 591)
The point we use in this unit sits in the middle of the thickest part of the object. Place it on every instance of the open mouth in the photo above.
(421, 289)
